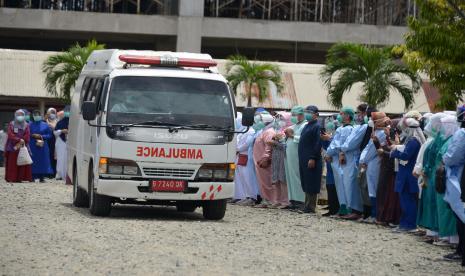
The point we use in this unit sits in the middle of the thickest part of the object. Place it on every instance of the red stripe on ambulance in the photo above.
(169, 153)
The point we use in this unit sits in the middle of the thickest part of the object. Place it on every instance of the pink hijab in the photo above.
(286, 117)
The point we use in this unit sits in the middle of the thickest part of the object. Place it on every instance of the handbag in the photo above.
(441, 179)
(242, 159)
(24, 158)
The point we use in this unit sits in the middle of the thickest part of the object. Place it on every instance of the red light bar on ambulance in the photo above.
(168, 61)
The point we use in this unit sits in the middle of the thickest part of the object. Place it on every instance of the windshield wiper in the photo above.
(147, 123)
(197, 126)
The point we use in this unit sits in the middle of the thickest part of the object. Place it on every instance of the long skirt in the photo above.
(62, 158)
(13, 172)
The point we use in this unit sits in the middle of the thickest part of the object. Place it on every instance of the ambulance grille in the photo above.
(164, 172)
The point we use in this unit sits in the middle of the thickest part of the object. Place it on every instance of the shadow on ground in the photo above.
(166, 213)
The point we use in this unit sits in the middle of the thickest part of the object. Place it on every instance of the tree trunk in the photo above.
(249, 96)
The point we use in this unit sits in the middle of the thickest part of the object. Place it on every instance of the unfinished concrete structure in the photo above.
(282, 30)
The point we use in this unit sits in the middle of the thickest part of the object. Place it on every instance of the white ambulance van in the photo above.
(153, 128)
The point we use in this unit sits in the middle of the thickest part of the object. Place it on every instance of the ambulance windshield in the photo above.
(181, 101)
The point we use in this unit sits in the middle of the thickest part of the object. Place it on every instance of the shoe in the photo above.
(248, 202)
(262, 205)
(233, 201)
(306, 211)
(328, 214)
(392, 225)
(403, 230)
(239, 202)
(42, 181)
(441, 243)
(275, 206)
(352, 216)
(455, 257)
(284, 207)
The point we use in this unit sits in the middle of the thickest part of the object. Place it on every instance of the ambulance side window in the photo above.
(85, 87)
(97, 93)
(90, 96)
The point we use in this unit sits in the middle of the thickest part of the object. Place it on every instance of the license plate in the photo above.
(168, 185)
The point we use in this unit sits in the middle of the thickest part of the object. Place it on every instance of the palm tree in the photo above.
(348, 64)
(239, 70)
(63, 69)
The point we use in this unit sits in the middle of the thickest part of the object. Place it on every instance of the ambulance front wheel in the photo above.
(99, 205)
(214, 209)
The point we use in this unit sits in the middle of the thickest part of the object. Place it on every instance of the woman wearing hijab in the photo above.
(278, 156)
(387, 200)
(262, 157)
(40, 134)
(406, 183)
(295, 193)
(18, 136)
(447, 227)
(370, 160)
(244, 179)
(61, 133)
(427, 208)
(51, 119)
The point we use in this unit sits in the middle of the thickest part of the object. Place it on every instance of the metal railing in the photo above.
(161, 7)
(374, 12)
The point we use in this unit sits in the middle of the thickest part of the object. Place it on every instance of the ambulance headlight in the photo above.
(205, 173)
(216, 172)
(118, 167)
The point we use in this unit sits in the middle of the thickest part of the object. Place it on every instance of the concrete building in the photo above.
(22, 86)
(278, 30)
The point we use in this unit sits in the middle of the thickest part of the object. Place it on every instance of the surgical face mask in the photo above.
(52, 116)
(339, 118)
(66, 114)
(330, 127)
(27, 118)
(371, 123)
(282, 124)
(20, 119)
(257, 119)
(294, 120)
(258, 126)
(308, 116)
(37, 118)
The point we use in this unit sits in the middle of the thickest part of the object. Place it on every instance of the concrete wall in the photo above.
(190, 27)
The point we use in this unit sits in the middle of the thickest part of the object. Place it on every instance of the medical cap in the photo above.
(260, 109)
(461, 113)
(349, 111)
(297, 110)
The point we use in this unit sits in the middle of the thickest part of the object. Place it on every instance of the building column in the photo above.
(42, 107)
(189, 36)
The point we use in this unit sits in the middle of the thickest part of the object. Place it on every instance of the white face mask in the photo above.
(282, 124)
(371, 123)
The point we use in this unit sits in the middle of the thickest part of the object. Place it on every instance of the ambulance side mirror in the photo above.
(248, 116)
(89, 111)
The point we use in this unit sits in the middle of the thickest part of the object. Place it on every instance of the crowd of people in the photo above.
(405, 173)
(44, 137)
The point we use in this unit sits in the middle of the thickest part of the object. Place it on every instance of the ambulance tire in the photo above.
(214, 209)
(186, 207)
(99, 205)
(80, 197)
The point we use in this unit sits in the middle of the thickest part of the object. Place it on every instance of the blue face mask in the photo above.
(66, 114)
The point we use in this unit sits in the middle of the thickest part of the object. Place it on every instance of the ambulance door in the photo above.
(90, 141)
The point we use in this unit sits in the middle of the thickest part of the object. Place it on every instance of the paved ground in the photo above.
(42, 233)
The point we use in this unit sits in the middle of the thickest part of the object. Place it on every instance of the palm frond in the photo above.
(62, 70)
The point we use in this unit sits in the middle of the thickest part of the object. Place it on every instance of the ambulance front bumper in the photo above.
(138, 189)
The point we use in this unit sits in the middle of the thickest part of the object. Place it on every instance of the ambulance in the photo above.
(155, 128)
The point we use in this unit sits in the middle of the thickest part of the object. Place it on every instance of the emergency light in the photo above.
(168, 60)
